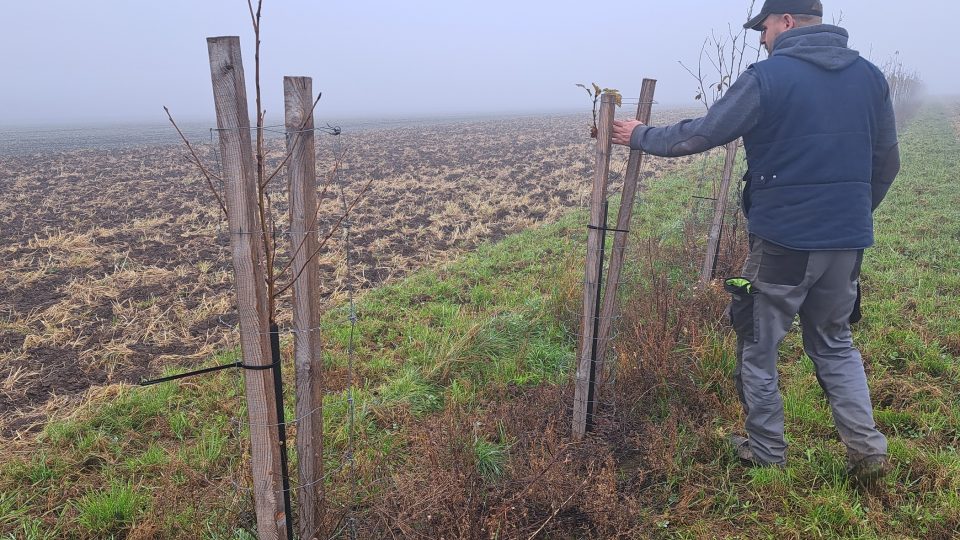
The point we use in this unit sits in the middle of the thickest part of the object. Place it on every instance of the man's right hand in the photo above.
(623, 130)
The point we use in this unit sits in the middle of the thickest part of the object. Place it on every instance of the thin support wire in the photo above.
(351, 520)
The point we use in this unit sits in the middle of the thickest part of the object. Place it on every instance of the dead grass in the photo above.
(620, 482)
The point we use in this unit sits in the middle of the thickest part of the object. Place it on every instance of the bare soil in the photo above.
(115, 263)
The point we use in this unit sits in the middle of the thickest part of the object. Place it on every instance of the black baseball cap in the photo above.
(793, 7)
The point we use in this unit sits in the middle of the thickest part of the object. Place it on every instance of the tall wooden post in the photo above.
(240, 184)
(307, 353)
(583, 404)
(719, 211)
(629, 195)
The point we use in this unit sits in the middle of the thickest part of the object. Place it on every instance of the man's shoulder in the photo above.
(870, 71)
(776, 60)
(768, 70)
(786, 62)
(772, 63)
(873, 68)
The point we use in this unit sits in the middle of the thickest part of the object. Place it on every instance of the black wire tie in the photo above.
(237, 364)
(595, 228)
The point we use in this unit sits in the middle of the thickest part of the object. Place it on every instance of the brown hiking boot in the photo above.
(741, 446)
(868, 470)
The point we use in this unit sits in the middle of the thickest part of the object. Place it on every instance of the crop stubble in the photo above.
(115, 264)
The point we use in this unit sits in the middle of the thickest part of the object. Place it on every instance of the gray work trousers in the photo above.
(820, 286)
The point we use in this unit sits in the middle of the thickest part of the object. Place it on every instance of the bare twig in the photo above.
(316, 214)
(254, 18)
(326, 238)
(838, 20)
(701, 80)
(299, 133)
(196, 160)
(557, 510)
(528, 488)
(726, 57)
(269, 246)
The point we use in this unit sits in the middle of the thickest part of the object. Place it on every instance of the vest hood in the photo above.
(822, 45)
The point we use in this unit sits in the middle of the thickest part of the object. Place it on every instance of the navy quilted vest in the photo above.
(811, 157)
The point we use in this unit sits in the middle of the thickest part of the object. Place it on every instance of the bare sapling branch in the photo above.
(299, 133)
(701, 79)
(255, 16)
(268, 229)
(269, 246)
(726, 56)
(312, 226)
(196, 161)
(272, 275)
(333, 229)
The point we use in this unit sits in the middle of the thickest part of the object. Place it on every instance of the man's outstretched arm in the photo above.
(733, 115)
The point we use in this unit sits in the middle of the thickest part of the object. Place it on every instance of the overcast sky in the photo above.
(70, 61)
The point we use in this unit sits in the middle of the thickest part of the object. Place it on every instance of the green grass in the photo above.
(102, 467)
(909, 342)
(451, 336)
(500, 323)
(490, 457)
(108, 511)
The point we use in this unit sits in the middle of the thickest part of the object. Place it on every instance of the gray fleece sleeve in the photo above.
(733, 115)
(886, 153)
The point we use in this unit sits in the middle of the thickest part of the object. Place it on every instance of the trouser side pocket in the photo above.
(743, 316)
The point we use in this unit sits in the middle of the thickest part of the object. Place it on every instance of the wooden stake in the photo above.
(240, 185)
(582, 403)
(719, 211)
(307, 351)
(629, 195)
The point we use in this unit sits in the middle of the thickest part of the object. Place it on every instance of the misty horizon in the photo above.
(120, 63)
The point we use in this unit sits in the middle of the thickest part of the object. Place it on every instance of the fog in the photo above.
(69, 62)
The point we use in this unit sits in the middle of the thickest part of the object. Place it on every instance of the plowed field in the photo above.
(115, 262)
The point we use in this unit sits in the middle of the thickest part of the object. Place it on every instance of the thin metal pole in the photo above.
(281, 425)
(595, 345)
(351, 444)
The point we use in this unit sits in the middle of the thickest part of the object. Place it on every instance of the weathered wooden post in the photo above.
(719, 212)
(629, 195)
(583, 402)
(240, 186)
(307, 353)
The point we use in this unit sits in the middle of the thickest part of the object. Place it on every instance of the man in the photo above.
(818, 127)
